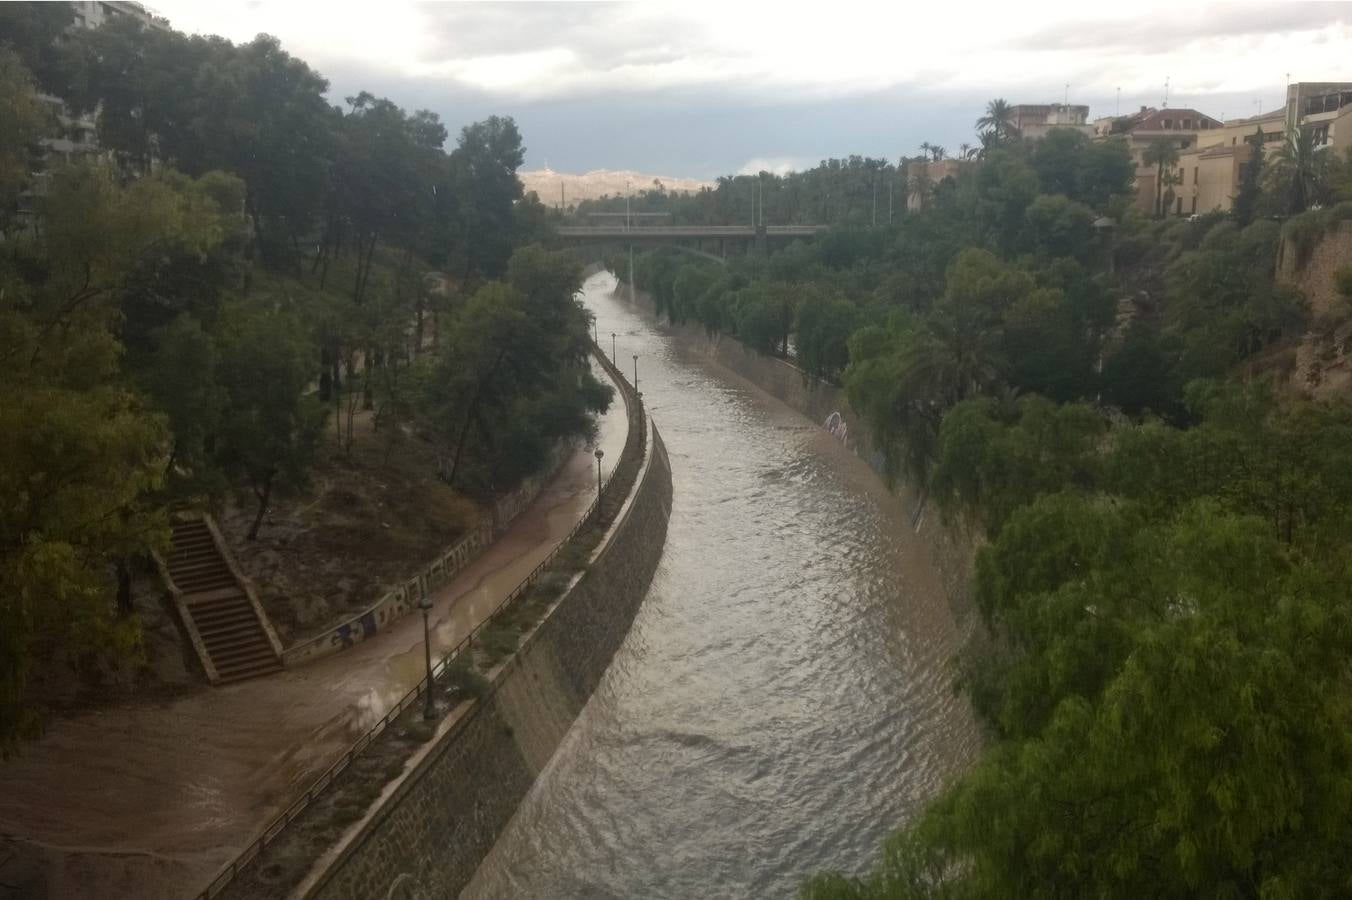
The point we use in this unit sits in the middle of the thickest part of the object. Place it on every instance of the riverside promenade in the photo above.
(149, 800)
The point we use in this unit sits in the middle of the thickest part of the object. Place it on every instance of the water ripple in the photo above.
(783, 699)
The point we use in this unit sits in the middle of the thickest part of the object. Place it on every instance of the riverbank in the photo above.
(782, 701)
(140, 800)
(434, 823)
(949, 547)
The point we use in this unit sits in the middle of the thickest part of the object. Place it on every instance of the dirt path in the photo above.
(149, 801)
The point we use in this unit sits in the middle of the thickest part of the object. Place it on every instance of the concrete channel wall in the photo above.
(429, 836)
(951, 549)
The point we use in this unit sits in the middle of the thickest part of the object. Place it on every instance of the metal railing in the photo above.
(278, 825)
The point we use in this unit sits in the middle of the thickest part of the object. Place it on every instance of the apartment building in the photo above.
(77, 134)
(1323, 107)
(1211, 171)
(1035, 120)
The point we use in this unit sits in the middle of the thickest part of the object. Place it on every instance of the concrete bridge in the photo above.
(712, 241)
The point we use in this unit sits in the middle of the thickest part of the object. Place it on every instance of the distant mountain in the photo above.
(598, 183)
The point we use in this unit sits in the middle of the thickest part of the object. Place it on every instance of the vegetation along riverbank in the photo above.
(1125, 407)
(311, 319)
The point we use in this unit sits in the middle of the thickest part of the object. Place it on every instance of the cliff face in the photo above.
(1323, 359)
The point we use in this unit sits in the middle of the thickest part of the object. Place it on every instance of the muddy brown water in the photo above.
(783, 701)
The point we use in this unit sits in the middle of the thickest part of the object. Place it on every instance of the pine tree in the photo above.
(1250, 182)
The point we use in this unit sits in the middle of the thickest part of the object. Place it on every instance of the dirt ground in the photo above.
(369, 519)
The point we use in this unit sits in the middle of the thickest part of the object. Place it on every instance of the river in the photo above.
(783, 699)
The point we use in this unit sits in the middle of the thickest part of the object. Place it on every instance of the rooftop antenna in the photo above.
(1117, 109)
(1166, 91)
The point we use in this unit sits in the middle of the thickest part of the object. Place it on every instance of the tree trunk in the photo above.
(469, 417)
(263, 497)
(124, 604)
(367, 397)
(418, 323)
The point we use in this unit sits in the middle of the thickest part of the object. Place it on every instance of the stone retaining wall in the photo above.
(430, 834)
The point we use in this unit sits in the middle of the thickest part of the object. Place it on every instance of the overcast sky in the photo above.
(702, 89)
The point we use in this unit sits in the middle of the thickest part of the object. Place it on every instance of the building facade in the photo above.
(924, 176)
(1035, 120)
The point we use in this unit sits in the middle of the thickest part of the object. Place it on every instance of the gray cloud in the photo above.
(606, 34)
(1160, 32)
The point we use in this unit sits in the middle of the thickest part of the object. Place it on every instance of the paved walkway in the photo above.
(149, 801)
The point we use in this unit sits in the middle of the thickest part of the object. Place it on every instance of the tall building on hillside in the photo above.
(1187, 128)
(77, 134)
(1324, 108)
(1212, 154)
(1034, 120)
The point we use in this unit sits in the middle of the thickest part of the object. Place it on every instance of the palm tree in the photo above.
(1162, 154)
(999, 118)
(1299, 166)
(967, 151)
(989, 141)
(937, 152)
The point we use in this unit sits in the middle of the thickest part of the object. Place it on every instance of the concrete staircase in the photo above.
(227, 627)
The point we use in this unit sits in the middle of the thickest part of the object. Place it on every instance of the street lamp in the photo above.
(599, 453)
(635, 372)
(613, 358)
(430, 706)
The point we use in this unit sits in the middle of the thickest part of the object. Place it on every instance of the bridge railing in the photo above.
(708, 231)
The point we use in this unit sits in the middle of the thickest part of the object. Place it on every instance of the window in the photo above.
(1194, 204)
(1168, 123)
(1187, 124)
(1194, 173)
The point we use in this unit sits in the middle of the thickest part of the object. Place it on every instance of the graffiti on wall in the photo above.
(835, 424)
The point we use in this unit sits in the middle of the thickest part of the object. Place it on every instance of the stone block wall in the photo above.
(433, 831)
(1314, 273)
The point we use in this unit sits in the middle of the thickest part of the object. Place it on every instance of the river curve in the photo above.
(783, 699)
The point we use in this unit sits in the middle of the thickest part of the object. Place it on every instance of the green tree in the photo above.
(824, 325)
(998, 119)
(1299, 169)
(25, 123)
(1162, 153)
(1250, 181)
(485, 161)
(270, 426)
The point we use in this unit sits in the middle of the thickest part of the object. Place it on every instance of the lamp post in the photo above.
(635, 373)
(599, 453)
(613, 358)
(429, 706)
